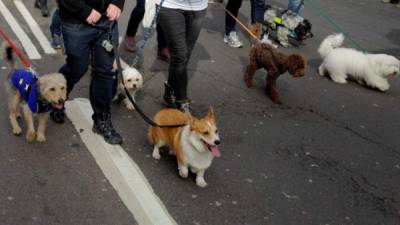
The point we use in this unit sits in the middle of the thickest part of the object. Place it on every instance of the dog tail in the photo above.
(8, 54)
(329, 43)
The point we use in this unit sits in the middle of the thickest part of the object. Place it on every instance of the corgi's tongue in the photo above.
(215, 151)
(58, 106)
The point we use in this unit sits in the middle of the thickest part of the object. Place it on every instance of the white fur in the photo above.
(197, 156)
(339, 63)
(133, 80)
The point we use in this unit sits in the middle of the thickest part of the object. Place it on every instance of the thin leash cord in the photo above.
(318, 9)
(137, 108)
(146, 35)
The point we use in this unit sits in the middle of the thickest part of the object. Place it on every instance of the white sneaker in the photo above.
(233, 40)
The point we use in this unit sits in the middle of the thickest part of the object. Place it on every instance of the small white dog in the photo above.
(133, 80)
(371, 69)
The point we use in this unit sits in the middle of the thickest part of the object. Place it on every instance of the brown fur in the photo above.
(171, 136)
(257, 30)
(275, 63)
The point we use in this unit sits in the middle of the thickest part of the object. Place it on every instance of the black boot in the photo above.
(103, 126)
(58, 115)
(169, 96)
(43, 8)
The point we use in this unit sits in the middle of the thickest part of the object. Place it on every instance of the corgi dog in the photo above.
(194, 144)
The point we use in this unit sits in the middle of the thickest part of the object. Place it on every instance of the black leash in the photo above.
(137, 108)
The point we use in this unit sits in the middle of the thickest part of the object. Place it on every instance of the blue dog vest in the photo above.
(25, 82)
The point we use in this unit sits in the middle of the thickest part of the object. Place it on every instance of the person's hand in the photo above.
(93, 18)
(113, 12)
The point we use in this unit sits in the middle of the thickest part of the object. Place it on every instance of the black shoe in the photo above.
(169, 96)
(45, 11)
(58, 115)
(37, 4)
(43, 8)
(103, 126)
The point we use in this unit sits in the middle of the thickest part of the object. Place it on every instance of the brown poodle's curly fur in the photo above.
(275, 63)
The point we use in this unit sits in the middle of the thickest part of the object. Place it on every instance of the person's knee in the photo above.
(179, 57)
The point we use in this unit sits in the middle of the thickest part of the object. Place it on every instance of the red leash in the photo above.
(21, 56)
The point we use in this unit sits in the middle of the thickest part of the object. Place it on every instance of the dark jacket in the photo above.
(76, 11)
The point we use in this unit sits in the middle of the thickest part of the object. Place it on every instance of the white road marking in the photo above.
(44, 42)
(29, 47)
(122, 172)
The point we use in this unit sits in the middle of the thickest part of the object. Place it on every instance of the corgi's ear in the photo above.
(210, 113)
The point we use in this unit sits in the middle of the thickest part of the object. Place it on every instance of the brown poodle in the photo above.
(276, 63)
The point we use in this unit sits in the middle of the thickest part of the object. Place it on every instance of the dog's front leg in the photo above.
(200, 178)
(271, 90)
(30, 134)
(13, 105)
(128, 104)
(42, 128)
(183, 170)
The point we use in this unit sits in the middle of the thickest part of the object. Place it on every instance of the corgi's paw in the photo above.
(183, 172)
(156, 155)
(201, 182)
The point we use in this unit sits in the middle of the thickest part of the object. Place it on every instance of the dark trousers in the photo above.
(83, 46)
(182, 29)
(233, 6)
(55, 26)
(135, 19)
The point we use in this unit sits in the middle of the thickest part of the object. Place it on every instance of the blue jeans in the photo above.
(233, 6)
(55, 26)
(83, 46)
(294, 5)
(182, 29)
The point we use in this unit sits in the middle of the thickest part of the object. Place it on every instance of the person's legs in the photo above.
(172, 22)
(55, 29)
(42, 4)
(55, 26)
(194, 22)
(162, 45)
(102, 86)
(257, 11)
(230, 36)
(294, 5)
(233, 7)
(133, 24)
(102, 83)
(77, 39)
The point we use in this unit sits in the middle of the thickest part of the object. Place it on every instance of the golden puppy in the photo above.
(37, 95)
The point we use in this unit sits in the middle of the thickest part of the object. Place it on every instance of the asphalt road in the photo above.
(329, 155)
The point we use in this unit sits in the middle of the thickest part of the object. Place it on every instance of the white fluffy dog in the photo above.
(371, 69)
(133, 81)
